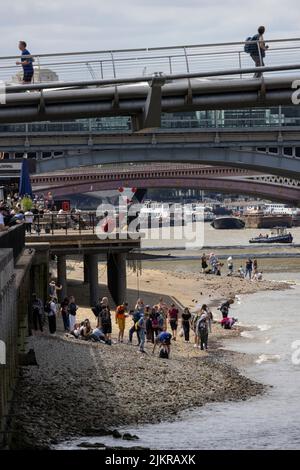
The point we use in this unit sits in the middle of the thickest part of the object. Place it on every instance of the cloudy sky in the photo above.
(69, 25)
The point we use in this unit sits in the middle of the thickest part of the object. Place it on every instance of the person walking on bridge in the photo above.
(258, 49)
(26, 62)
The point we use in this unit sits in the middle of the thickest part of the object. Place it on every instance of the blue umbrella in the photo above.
(25, 188)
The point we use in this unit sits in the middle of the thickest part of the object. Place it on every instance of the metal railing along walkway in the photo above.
(144, 62)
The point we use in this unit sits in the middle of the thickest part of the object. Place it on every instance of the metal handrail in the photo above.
(146, 49)
(183, 57)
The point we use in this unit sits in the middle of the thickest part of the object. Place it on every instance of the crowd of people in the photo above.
(211, 264)
(157, 324)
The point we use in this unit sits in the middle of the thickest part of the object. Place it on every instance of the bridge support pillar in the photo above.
(116, 276)
(86, 269)
(62, 274)
(92, 263)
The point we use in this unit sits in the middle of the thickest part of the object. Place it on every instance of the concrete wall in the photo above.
(8, 334)
(15, 293)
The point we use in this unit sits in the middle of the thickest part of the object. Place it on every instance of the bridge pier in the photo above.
(92, 264)
(116, 276)
(62, 275)
(86, 269)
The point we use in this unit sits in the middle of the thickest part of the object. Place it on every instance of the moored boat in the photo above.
(227, 223)
(279, 236)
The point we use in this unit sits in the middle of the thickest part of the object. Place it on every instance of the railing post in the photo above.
(186, 60)
(113, 64)
(170, 65)
(240, 64)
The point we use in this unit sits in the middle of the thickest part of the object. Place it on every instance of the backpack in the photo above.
(251, 46)
(154, 323)
(163, 353)
(136, 316)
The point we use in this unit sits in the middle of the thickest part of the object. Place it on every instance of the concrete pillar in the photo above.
(86, 269)
(92, 261)
(62, 275)
(116, 276)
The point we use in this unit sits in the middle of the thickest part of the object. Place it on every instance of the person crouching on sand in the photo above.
(163, 340)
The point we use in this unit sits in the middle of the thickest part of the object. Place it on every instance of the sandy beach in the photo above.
(81, 388)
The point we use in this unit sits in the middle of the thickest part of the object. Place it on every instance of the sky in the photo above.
(82, 25)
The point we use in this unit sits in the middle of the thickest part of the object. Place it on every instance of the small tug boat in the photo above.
(278, 235)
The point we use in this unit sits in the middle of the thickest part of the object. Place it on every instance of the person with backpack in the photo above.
(64, 310)
(105, 324)
(120, 316)
(164, 341)
(72, 310)
(256, 47)
(51, 310)
(37, 313)
(136, 315)
(102, 303)
(173, 319)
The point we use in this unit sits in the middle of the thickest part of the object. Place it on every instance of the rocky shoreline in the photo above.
(79, 388)
(82, 389)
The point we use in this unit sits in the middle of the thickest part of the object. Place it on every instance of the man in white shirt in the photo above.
(28, 220)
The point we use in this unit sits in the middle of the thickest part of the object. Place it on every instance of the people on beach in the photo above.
(37, 313)
(241, 272)
(173, 319)
(230, 266)
(210, 319)
(164, 342)
(51, 310)
(228, 322)
(204, 264)
(142, 332)
(101, 304)
(135, 315)
(249, 268)
(26, 62)
(121, 312)
(149, 330)
(185, 322)
(105, 323)
(53, 289)
(203, 328)
(64, 310)
(72, 310)
(225, 306)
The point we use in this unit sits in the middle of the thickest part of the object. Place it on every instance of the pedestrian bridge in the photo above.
(143, 83)
(220, 179)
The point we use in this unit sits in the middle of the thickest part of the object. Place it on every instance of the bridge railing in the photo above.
(126, 63)
(66, 222)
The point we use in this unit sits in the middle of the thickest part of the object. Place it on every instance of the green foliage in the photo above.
(26, 203)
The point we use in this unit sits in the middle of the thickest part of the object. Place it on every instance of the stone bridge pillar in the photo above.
(92, 272)
(116, 276)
